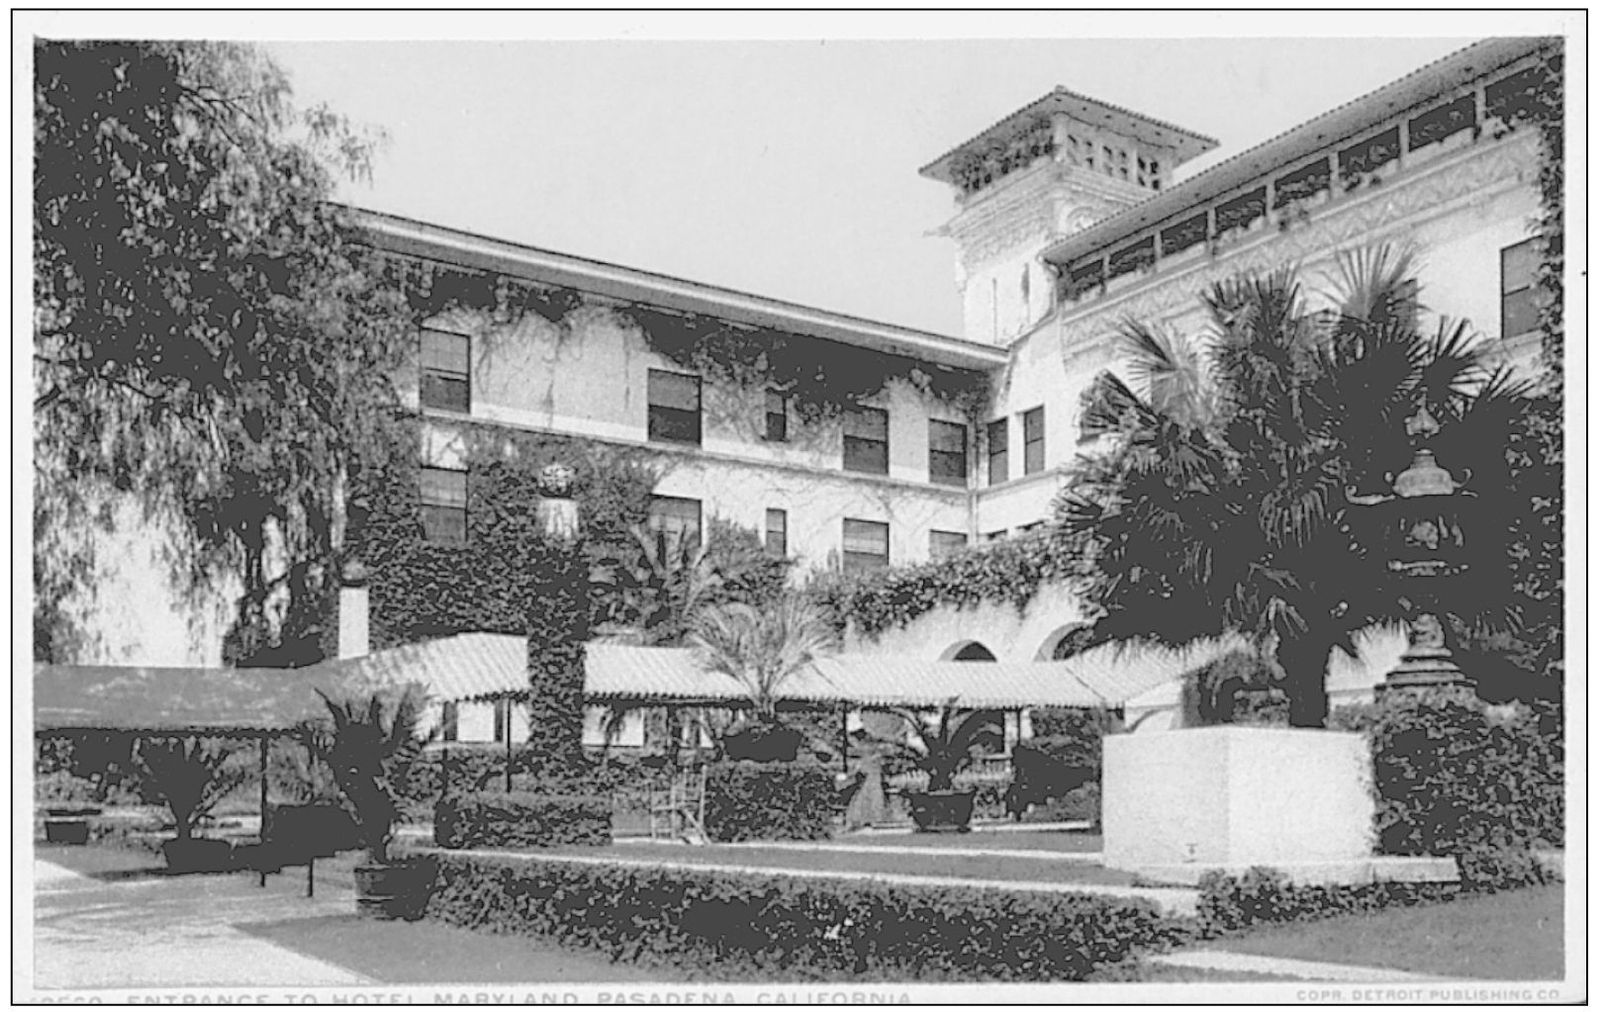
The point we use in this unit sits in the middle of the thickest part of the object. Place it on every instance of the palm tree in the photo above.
(762, 649)
(371, 751)
(1221, 504)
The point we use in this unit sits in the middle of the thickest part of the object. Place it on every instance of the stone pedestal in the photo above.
(1178, 803)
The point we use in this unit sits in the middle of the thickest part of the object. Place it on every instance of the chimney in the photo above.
(353, 641)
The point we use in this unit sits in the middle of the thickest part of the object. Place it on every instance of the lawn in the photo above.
(1056, 841)
(1517, 935)
(1002, 868)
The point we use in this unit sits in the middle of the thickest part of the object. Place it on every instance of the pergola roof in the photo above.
(239, 700)
(479, 666)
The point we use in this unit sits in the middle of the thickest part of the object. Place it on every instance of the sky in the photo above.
(784, 168)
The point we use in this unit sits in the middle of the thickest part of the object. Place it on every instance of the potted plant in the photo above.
(68, 804)
(190, 775)
(372, 749)
(762, 650)
(943, 750)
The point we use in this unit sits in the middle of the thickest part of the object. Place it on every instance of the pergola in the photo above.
(250, 703)
(484, 667)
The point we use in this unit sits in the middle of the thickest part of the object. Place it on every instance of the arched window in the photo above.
(972, 650)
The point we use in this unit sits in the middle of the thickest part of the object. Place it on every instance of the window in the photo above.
(866, 544)
(444, 359)
(945, 543)
(774, 534)
(1521, 299)
(448, 721)
(867, 440)
(500, 707)
(994, 536)
(445, 505)
(1035, 440)
(673, 523)
(674, 411)
(778, 419)
(996, 449)
(948, 453)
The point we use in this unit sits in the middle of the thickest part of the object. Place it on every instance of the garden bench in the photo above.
(299, 834)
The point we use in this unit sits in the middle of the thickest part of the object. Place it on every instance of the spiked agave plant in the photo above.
(374, 746)
(947, 748)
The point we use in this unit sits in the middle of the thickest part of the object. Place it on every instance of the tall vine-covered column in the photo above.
(558, 627)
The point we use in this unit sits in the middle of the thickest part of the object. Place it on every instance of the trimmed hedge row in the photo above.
(497, 819)
(734, 926)
(1266, 896)
(771, 801)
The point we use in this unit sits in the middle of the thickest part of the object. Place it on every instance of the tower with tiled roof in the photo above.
(1042, 173)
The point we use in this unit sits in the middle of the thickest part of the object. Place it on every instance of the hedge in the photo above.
(771, 801)
(1453, 778)
(498, 819)
(1265, 896)
(734, 926)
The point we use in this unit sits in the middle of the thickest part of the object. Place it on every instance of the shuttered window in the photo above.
(1034, 440)
(996, 448)
(1522, 308)
(865, 544)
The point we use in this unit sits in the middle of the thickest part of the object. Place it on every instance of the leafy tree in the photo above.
(210, 338)
(1222, 502)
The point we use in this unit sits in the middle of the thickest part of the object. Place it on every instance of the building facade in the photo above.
(1070, 217)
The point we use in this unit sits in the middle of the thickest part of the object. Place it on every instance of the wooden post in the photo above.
(506, 725)
(845, 739)
(261, 833)
(445, 770)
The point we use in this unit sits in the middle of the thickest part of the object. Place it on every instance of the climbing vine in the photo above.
(1007, 572)
(422, 589)
(822, 377)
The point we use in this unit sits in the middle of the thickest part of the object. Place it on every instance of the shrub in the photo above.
(738, 926)
(1083, 804)
(497, 819)
(1048, 768)
(1265, 896)
(1452, 779)
(771, 801)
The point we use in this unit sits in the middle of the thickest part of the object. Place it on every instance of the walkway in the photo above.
(174, 932)
(1302, 969)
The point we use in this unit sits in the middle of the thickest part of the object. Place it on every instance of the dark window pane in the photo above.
(948, 453)
(1522, 312)
(777, 424)
(446, 393)
(673, 390)
(1520, 264)
(445, 351)
(774, 536)
(996, 444)
(1034, 440)
(866, 423)
(1521, 299)
(868, 538)
(447, 524)
(670, 425)
(869, 456)
(945, 543)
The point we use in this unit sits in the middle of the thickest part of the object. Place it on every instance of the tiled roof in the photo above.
(1188, 143)
(476, 666)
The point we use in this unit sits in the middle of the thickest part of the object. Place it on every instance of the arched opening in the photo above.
(1064, 642)
(973, 650)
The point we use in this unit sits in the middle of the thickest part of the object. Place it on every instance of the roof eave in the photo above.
(627, 284)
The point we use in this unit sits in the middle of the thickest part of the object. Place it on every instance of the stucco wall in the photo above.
(1001, 628)
(1235, 796)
